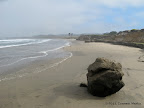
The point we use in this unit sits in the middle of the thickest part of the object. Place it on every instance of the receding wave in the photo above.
(35, 72)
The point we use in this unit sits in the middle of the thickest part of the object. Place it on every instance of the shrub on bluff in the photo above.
(104, 77)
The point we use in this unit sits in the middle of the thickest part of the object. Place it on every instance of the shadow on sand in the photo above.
(74, 91)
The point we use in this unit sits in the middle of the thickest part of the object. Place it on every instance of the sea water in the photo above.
(15, 53)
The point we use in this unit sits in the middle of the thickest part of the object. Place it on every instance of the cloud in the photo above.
(117, 3)
(51, 16)
(32, 17)
(140, 14)
(2, 0)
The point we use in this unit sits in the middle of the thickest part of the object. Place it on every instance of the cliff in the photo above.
(133, 38)
(130, 36)
(123, 36)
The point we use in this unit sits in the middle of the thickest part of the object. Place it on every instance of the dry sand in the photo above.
(58, 87)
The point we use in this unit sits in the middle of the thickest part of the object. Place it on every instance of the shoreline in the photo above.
(17, 66)
(58, 87)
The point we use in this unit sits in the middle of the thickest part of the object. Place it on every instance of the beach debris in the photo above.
(104, 77)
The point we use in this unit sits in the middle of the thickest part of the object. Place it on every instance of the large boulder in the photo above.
(104, 77)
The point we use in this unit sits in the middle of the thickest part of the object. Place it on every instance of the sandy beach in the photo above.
(58, 86)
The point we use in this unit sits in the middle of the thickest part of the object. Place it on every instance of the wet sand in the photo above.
(58, 87)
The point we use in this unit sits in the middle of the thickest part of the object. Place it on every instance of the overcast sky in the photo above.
(34, 17)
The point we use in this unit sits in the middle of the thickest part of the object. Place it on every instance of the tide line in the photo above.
(55, 64)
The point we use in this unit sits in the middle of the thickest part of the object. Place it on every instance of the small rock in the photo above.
(83, 85)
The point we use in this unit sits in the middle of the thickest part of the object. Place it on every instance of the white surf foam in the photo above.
(45, 53)
(15, 42)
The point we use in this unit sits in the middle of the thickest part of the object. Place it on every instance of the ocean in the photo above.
(17, 53)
